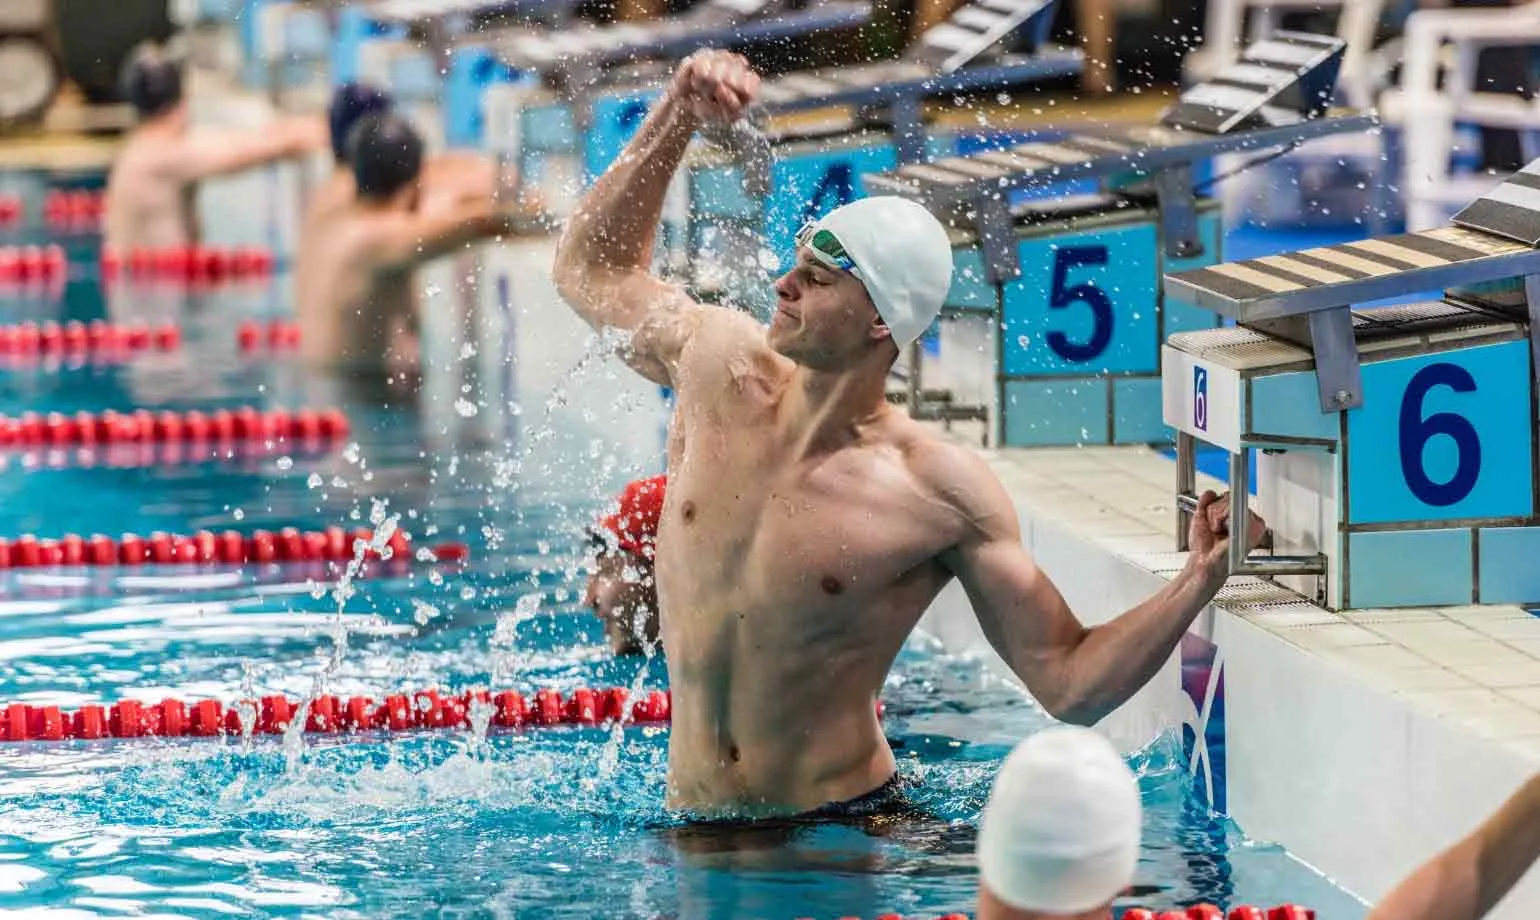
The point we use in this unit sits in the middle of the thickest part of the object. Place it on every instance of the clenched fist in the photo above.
(1208, 534)
(715, 85)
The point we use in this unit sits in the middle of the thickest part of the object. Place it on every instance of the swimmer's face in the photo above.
(823, 315)
(622, 593)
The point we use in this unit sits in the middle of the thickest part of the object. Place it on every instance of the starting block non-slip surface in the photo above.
(1356, 272)
(1511, 210)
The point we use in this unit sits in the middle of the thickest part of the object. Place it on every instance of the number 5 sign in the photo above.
(1084, 303)
(1442, 437)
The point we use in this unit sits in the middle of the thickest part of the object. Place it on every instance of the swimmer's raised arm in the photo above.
(1468, 879)
(423, 237)
(207, 154)
(1078, 674)
(604, 256)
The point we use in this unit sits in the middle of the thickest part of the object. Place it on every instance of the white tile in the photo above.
(1395, 615)
(1472, 615)
(1509, 630)
(1331, 636)
(1525, 696)
(1524, 673)
(1479, 651)
(1530, 647)
(1419, 634)
(1377, 658)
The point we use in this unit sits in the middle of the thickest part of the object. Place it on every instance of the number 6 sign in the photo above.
(1442, 437)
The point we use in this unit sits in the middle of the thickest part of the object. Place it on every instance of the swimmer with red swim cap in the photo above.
(808, 522)
(149, 202)
(622, 590)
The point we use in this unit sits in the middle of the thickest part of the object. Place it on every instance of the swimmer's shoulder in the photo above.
(951, 474)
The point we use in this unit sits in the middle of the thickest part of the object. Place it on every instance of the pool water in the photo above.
(558, 822)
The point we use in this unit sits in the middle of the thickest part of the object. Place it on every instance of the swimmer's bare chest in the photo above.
(780, 572)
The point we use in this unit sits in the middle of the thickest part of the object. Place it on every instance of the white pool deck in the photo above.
(1363, 741)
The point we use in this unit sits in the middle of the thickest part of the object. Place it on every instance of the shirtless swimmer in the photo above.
(808, 523)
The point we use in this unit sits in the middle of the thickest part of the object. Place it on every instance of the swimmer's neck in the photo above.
(831, 408)
(173, 121)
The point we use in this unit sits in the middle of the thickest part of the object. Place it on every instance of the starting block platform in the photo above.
(1396, 444)
(1064, 293)
(754, 193)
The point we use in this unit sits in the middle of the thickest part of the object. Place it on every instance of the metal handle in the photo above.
(1241, 560)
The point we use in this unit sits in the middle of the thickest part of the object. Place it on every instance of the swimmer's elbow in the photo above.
(1073, 707)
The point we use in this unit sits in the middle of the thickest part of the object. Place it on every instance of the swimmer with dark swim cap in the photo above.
(148, 203)
(448, 177)
(356, 306)
(621, 591)
(809, 523)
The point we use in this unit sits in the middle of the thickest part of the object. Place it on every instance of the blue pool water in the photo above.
(548, 823)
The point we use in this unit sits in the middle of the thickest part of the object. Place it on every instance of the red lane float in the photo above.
(152, 454)
(32, 264)
(192, 427)
(188, 263)
(278, 335)
(271, 715)
(77, 209)
(10, 210)
(1210, 912)
(94, 338)
(230, 547)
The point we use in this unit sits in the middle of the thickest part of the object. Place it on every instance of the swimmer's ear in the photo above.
(879, 328)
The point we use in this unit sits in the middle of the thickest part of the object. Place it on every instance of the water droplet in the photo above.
(285, 463)
(465, 407)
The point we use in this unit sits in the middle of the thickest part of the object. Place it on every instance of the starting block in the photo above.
(1064, 293)
(592, 100)
(731, 215)
(1396, 444)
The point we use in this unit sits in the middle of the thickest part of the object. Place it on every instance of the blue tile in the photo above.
(1289, 405)
(1085, 302)
(1042, 413)
(971, 288)
(1443, 436)
(1136, 412)
(1409, 568)
(1509, 570)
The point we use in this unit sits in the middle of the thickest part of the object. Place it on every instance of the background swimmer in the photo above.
(151, 187)
(356, 305)
(622, 591)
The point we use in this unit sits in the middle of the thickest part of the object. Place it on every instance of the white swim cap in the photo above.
(1060, 833)
(902, 255)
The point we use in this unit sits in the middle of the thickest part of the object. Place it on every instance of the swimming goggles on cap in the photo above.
(825, 247)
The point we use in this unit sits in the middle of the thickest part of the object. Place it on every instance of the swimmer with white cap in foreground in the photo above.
(1059, 837)
(808, 523)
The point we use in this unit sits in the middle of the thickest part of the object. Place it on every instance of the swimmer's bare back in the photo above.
(808, 524)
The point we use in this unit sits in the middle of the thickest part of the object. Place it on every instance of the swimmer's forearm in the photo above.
(1115, 660)
(613, 227)
(1467, 880)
